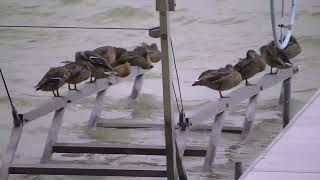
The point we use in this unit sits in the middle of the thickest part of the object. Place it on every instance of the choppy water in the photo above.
(208, 33)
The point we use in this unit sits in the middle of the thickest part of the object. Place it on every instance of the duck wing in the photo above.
(208, 72)
(97, 60)
(242, 64)
(284, 57)
(54, 72)
(215, 76)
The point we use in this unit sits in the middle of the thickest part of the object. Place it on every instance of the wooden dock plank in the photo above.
(196, 151)
(294, 153)
(86, 170)
(84, 90)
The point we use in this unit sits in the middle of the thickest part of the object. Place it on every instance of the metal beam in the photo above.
(137, 125)
(96, 110)
(286, 103)
(249, 118)
(10, 151)
(163, 7)
(85, 90)
(214, 141)
(133, 149)
(138, 82)
(52, 135)
(213, 108)
(86, 170)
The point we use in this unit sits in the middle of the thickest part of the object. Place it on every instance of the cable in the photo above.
(177, 74)
(5, 85)
(74, 27)
(175, 95)
(282, 15)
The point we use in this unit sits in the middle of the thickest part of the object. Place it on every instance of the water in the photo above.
(205, 34)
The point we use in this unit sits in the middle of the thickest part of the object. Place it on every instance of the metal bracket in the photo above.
(184, 122)
(171, 3)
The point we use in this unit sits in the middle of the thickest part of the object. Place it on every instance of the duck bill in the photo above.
(196, 83)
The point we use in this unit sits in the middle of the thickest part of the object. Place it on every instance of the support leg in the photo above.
(213, 141)
(96, 110)
(137, 86)
(52, 135)
(10, 152)
(250, 115)
(287, 99)
(181, 140)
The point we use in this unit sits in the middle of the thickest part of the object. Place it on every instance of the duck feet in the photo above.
(91, 80)
(249, 84)
(74, 87)
(221, 96)
(271, 72)
(56, 94)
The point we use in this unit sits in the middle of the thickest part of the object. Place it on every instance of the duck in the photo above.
(138, 58)
(110, 53)
(79, 71)
(98, 66)
(153, 51)
(250, 66)
(274, 58)
(54, 79)
(221, 79)
(122, 70)
(293, 48)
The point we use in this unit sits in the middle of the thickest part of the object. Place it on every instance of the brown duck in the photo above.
(122, 70)
(274, 58)
(250, 66)
(78, 72)
(138, 58)
(109, 53)
(221, 79)
(293, 48)
(98, 66)
(153, 51)
(54, 79)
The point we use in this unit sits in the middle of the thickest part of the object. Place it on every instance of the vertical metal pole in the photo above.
(96, 110)
(286, 103)
(11, 151)
(250, 115)
(137, 86)
(167, 90)
(237, 170)
(52, 135)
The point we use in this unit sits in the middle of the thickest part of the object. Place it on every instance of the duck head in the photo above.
(251, 54)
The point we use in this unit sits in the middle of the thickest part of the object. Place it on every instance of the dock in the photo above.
(294, 153)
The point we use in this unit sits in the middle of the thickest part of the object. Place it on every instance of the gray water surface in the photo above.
(206, 34)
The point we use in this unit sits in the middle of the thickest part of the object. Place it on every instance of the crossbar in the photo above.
(198, 127)
(84, 90)
(86, 170)
(133, 149)
(212, 108)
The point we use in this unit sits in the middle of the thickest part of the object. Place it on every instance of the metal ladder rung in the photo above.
(132, 149)
(86, 170)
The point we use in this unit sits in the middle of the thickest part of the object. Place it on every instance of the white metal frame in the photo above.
(289, 26)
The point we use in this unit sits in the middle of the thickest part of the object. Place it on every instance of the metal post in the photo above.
(96, 110)
(11, 151)
(167, 90)
(138, 82)
(214, 141)
(52, 135)
(250, 115)
(237, 170)
(286, 103)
